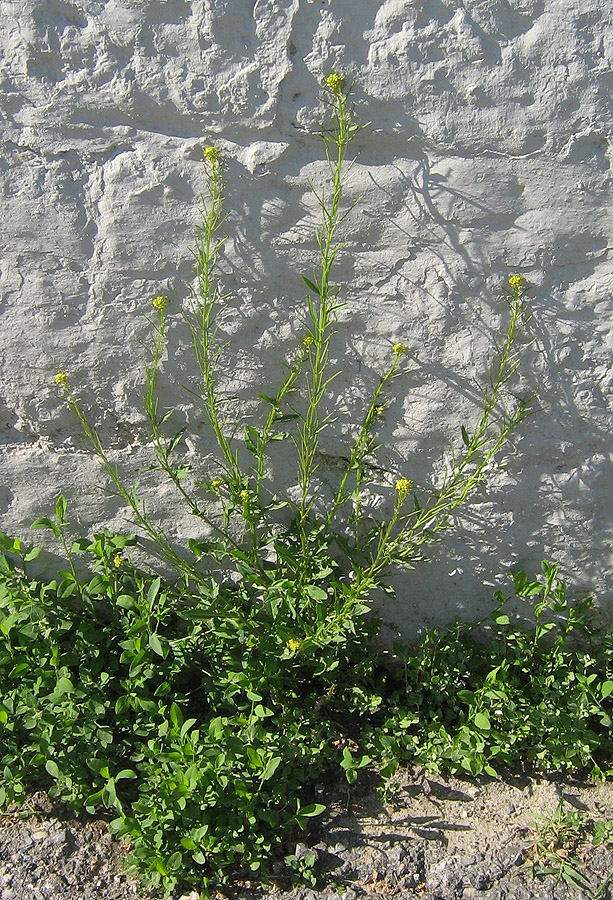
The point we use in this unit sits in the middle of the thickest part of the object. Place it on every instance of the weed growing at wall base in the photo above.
(201, 709)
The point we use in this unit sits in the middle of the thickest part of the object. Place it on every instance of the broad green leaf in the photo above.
(45, 523)
(121, 704)
(314, 592)
(271, 767)
(32, 553)
(189, 723)
(52, 768)
(175, 860)
(63, 686)
(315, 809)
(482, 721)
(155, 644)
(92, 801)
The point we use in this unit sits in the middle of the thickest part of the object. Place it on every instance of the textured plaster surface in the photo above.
(488, 152)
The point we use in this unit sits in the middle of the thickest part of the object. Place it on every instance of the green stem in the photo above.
(361, 447)
(161, 541)
(321, 311)
(202, 322)
(161, 445)
(422, 524)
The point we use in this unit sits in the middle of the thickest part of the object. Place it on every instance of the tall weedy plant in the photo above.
(202, 711)
(293, 568)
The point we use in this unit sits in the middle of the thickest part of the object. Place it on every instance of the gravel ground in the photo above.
(435, 839)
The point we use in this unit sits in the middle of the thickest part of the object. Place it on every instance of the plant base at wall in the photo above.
(205, 740)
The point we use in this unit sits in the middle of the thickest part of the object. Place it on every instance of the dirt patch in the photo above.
(430, 838)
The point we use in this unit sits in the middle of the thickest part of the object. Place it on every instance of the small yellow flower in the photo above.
(244, 495)
(308, 340)
(117, 560)
(399, 349)
(403, 485)
(61, 378)
(517, 282)
(211, 155)
(294, 644)
(378, 411)
(215, 484)
(160, 302)
(335, 82)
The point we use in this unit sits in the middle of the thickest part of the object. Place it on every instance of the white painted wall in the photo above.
(489, 152)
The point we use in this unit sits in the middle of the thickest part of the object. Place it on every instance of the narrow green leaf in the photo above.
(153, 591)
(60, 508)
(176, 716)
(175, 440)
(311, 286)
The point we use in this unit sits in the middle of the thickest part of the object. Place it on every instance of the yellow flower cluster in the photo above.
(294, 644)
(517, 282)
(61, 378)
(211, 155)
(160, 302)
(215, 484)
(335, 82)
(403, 485)
(244, 495)
(308, 341)
(117, 560)
(399, 349)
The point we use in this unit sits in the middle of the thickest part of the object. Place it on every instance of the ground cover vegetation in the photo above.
(200, 709)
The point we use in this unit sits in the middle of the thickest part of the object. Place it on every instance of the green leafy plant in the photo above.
(199, 711)
(204, 745)
(471, 700)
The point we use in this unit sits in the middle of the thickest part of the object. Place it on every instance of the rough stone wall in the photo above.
(488, 152)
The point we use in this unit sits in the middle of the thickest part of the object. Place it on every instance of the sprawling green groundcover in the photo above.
(200, 708)
(204, 736)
